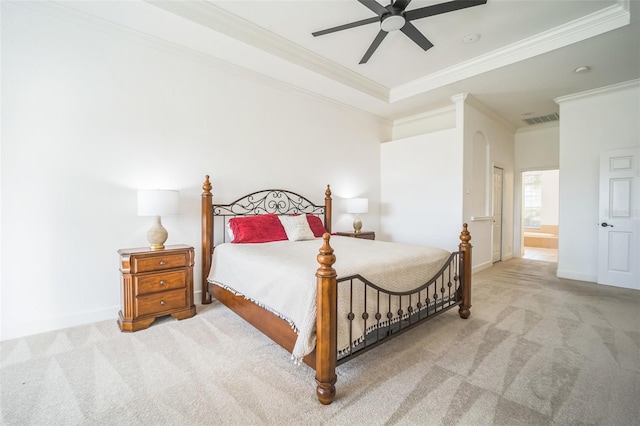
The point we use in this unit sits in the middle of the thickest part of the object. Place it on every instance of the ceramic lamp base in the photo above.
(357, 224)
(157, 235)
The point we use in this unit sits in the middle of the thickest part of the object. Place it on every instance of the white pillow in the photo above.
(229, 231)
(297, 227)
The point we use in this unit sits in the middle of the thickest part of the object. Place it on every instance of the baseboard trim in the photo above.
(15, 331)
(578, 276)
(481, 267)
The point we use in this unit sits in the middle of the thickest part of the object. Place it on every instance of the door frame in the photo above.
(495, 166)
(518, 210)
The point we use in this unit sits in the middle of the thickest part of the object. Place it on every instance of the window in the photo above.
(532, 190)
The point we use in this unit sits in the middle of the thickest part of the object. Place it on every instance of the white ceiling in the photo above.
(524, 58)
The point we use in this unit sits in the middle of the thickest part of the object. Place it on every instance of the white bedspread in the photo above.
(280, 276)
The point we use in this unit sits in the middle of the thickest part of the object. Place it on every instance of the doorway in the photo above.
(540, 200)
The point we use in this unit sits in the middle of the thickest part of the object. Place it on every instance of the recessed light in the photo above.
(471, 38)
(582, 69)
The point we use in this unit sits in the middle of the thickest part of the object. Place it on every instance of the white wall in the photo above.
(535, 148)
(88, 117)
(590, 123)
(421, 190)
(434, 182)
(499, 152)
(550, 197)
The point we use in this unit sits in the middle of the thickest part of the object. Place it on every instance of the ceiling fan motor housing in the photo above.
(392, 21)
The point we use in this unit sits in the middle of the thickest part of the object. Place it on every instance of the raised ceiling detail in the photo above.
(524, 59)
(395, 17)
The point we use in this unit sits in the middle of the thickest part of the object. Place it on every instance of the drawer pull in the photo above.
(162, 302)
(162, 282)
(162, 262)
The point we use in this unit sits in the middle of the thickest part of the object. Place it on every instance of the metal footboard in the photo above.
(393, 313)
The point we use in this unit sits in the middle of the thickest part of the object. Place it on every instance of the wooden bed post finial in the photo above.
(206, 186)
(207, 237)
(326, 324)
(465, 272)
(327, 209)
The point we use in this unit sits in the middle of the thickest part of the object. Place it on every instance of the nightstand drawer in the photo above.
(160, 302)
(159, 262)
(152, 283)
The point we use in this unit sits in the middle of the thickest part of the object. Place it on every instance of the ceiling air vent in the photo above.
(542, 119)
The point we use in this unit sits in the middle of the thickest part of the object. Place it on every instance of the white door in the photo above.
(497, 214)
(619, 230)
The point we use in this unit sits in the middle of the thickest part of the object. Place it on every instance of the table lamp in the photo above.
(158, 202)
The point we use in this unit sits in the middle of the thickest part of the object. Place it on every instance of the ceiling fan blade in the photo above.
(412, 32)
(440, 8)
(375, 7)
(401, 4)
(346, 26)
(376, 42)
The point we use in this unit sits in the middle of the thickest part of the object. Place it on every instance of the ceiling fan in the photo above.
(394, 17)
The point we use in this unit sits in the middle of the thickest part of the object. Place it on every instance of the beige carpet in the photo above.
(536, 350)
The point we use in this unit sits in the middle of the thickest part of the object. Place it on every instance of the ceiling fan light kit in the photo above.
(392, 23)
(395, 17)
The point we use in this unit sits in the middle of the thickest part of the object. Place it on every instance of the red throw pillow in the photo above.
(316, 225)
(257, 229)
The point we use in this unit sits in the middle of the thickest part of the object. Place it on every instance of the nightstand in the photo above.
(155, 283)
(367, 235)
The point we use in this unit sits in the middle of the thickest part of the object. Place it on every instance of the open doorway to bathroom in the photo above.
(540, 190)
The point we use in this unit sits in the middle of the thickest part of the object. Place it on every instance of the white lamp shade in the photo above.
(357, 205)
(158, 202)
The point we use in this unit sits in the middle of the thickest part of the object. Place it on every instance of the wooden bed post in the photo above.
(327, 209)
(465, 273)
(326, 324)
(207, 237)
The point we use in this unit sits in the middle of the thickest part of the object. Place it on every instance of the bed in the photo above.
(322, 297)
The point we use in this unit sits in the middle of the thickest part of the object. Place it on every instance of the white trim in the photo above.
(220, 20)
(61, 11)
(252, 36)
(591, 25)
(481, 267)
(481, 218)
(427, 114)
(578, 276)
(43, 325)
(599, 91)
(475, 103)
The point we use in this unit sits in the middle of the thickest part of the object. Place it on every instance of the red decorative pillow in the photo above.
(257, 229)
(316, 225)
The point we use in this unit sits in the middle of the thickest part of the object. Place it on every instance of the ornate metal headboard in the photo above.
(276, 201)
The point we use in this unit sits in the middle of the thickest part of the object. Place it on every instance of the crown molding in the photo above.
(588, 26)
(426, 115)
(459, 98)
(599, 91)
(218, 19)
(472, 101)
(65, 11)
